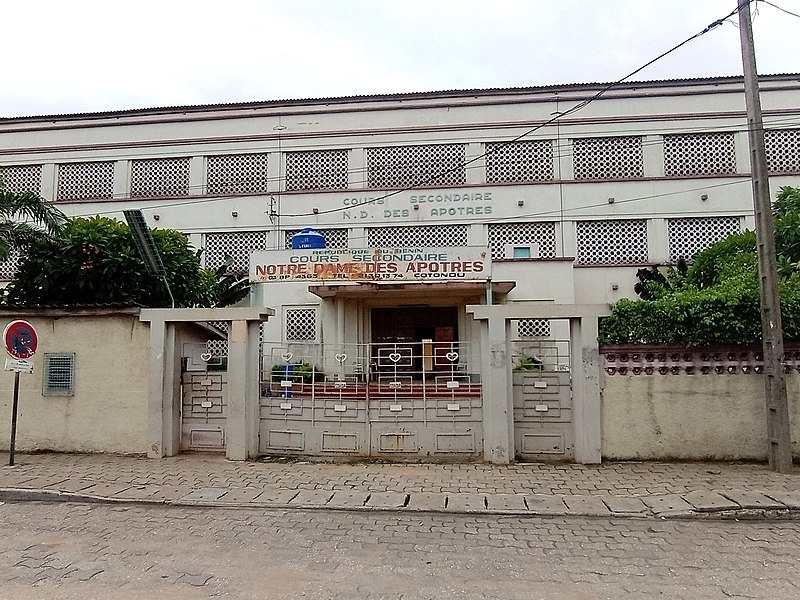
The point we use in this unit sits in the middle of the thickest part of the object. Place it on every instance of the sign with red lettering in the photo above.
(371, 264)
(20, 339)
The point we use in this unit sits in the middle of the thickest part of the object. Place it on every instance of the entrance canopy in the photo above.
(406, 290)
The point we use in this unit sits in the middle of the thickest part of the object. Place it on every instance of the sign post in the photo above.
(21, 341)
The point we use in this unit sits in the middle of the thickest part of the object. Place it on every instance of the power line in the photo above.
(788, 12)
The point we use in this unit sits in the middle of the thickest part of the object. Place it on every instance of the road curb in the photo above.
(42, 495)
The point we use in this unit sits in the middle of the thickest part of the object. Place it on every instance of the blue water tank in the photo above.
(307, 238)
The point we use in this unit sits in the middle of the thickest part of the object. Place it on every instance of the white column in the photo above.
(585, 364)
(498, 412)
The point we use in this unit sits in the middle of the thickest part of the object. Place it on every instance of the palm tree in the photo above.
(24, 218)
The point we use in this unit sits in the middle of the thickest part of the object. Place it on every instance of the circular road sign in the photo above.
(20, 339)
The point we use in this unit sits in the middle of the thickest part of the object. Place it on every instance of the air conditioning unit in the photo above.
(521, 251)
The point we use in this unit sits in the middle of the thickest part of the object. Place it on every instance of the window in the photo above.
(317, 170)
(85, 181)
(416, 166)
(608, 158)
(22, 178)
(519, 161)
(699, 154)
(238, 246)
(300, 324)
(236, 174)
(503, 235)
(59, 374)
(612, 242)
(160, 177)
(689, 236)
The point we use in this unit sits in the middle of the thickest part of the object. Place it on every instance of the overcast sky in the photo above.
(97, 55)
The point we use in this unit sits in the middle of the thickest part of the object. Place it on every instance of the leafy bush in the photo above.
(95, 261)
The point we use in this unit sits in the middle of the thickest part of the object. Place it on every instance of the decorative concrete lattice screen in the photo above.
(160, 177)
(687, 237)
(783, 150)
(301, 324)
(238, 245)
(8, 267)
(218, 347)
(334, 238)
(543, 234)
(607, 157)
(22, 178)
(612, 242)
(236, 174)
(519, 161)
(444, 236)
(528, 328)
(85, 181)
(416, 166)
(699, 154)
(317, 170)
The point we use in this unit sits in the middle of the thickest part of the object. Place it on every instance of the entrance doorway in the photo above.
(401, 331)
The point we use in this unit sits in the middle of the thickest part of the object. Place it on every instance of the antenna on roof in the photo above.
(146, 245)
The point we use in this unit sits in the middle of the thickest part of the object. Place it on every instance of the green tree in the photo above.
(25, 218)
(95, 261)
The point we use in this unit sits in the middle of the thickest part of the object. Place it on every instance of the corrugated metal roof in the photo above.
(398, 96)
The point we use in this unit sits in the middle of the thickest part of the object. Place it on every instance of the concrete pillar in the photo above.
(498, 412)
(236, 423)
(163, 416)
(653, 155)
(122, 179)
(476, 170)
(585, 360)
(197, 176)
(49, 182)
(241, 427)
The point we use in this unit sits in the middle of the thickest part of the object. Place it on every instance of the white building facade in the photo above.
(557, 211)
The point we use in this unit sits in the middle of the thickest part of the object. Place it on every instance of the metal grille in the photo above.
(519, 161)
(160, 177)
(59, 374)
(783, 150)
(416, 166)
(699, 154)
(443, 236)
(9, 266)
(236, 174)
(85, 181)
(528, 328)
(334, 238)
(22, 178)
(237, 245)
(301, 324)
(687, 237)
(612, 242)
(318, 170)
(542, 234)
(607, 158)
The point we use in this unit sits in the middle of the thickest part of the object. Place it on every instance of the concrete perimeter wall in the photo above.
(693, 417)
(108, 412)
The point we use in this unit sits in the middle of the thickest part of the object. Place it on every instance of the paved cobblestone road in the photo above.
(84, 552)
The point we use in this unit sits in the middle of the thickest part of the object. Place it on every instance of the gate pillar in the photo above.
(497, 381)
(164, 405)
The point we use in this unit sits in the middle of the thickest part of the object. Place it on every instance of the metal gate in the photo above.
(204, 401)
(542, 388)
(407, 400)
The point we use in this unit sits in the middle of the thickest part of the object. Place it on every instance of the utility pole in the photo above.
(778, 436)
